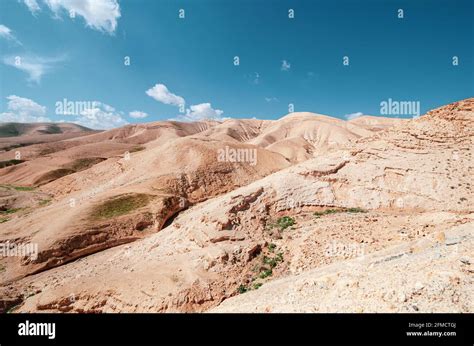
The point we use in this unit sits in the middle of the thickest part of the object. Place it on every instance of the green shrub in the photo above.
(271, 247)
(356, 210)
(279, 257)
(285, 222)
(242, 289)
(265, 273)
(270, 261)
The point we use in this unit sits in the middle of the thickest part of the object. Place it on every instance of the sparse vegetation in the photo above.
(318, 214)
(15, 146)
(4, 219)
(282, 223)
(285, 222)
(135, 149)
(12, 309)
(85, 163)
(19, 188)
(265, 273)
(326, 212)
(242, 289)
(24, 188)
(44, 201)
(73, 167)
(8, 163)
(356, 210)
(53, 175)
(51, 129)
(120, 205)
(47, 151)
(279, 257)
(270, 261)
(6, 211)
(9, 130)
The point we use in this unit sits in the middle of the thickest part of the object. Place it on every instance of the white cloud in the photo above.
(23, 110)
(161, 93)
(197, 112)
(106, 107)
(138, 114)
(32, 5)
(203, 111)
(285, 65)
(353, 116)
(101, 116)
(6, 33)
(35, 66)
(101, 15)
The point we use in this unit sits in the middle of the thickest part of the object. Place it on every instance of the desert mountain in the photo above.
(18, 135)
(170, 164)
(25, 129)
(205, 223)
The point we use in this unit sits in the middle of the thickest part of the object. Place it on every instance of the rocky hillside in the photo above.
(333, 216)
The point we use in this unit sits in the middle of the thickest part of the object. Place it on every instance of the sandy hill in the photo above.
(374, 123)
(20, 135)
(24, 129)
(295, 137)
(190, 232)
(300, 136)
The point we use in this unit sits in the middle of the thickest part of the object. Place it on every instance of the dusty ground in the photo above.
(369, 215)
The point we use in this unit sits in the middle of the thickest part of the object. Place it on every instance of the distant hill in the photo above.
(21, 129)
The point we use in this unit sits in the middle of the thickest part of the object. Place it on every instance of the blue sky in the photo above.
(190, 61)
